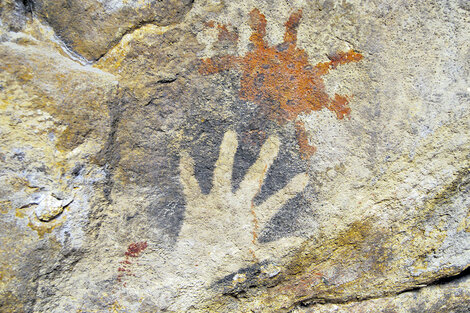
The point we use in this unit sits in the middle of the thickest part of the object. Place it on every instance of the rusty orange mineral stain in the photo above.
(224, 33)
(279, 78)
(306, 150)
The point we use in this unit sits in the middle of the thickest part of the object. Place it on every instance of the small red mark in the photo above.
(134, 250)
(306, 150)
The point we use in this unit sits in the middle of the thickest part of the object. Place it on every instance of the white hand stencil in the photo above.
(220, 229)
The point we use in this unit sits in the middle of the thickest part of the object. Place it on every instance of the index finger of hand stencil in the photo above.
(190, 184)
(224, 165)
(254, 179)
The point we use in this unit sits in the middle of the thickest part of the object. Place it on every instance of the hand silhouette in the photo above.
(220, 229)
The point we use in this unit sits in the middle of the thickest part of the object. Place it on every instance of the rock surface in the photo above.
(92, 27)
(244, 156)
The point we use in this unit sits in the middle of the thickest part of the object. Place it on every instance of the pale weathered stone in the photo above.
(243, 156)
(54, 122)
(50, 207)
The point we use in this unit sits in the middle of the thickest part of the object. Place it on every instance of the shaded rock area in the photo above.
(91, 28)
(234, 156)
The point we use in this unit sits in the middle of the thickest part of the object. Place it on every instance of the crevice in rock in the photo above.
(70, 52)
(137, 27)
(450, 279)
(129, 31)
(75, 56)
(168, 80)
(28, 6)
(438, 282)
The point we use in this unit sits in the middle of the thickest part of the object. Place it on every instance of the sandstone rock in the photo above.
(307, 156)
(441, 296)
(91, 28)
(50, 207)
(55, 121)
(13, 14)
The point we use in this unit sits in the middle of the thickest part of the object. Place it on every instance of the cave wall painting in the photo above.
(224, 224)
(280, 78)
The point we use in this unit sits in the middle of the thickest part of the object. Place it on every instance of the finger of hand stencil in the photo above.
(190, 184)
(266, 210)
(291, 27)
(254, 179)
(223, 166)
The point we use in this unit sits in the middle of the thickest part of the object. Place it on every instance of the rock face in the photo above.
(91, 28)
(248, 156)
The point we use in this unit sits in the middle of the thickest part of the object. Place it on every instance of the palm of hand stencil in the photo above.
(221, 228)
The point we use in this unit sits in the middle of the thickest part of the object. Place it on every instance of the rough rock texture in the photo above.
(92, 27)
(243, 156)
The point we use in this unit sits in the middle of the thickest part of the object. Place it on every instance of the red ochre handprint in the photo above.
(279, 78)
